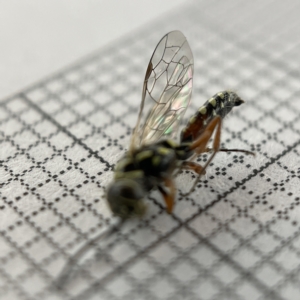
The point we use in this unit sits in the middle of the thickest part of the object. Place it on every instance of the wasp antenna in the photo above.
(68, 268)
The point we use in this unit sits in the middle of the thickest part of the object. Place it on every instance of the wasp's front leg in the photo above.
(169, 196)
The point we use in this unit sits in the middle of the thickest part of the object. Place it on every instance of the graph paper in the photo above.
(237, 236)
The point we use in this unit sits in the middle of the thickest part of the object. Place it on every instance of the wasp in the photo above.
(154, 155)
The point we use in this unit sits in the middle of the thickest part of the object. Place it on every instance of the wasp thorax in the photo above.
(125, 198)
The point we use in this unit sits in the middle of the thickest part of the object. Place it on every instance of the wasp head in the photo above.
(125, 198)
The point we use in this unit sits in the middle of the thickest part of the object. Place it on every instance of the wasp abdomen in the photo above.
(218, 105)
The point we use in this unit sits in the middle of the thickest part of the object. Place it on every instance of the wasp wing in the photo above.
(167, 90)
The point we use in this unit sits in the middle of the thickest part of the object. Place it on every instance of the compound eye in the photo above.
(127, 192)
(130, 190)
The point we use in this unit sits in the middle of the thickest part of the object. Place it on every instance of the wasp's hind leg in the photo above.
(190, 165)
(232, 150)
(169, 196)
(200, 145)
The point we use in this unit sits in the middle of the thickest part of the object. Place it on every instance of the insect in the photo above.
(153, 154)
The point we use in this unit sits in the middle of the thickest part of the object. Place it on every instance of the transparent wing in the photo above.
(167, 90)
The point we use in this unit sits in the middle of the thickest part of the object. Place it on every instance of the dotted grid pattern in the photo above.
(236, 237)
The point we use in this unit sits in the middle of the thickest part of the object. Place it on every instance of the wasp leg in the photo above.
(190, 165)
(168, 196)
(232, 150)
(200, 145)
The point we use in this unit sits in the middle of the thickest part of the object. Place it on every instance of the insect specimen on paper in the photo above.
(153, 154)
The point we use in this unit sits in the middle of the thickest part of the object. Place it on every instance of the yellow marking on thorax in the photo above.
(130, 174)
(163, 151)
(192, 120)
(187, 144)
(123, 163)
(221, 95)
(180, 152)
(156, 160)
(172, 143)
(143, 155)
(222, 104)
(202, 110)
(214, 113)
(212, 101)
